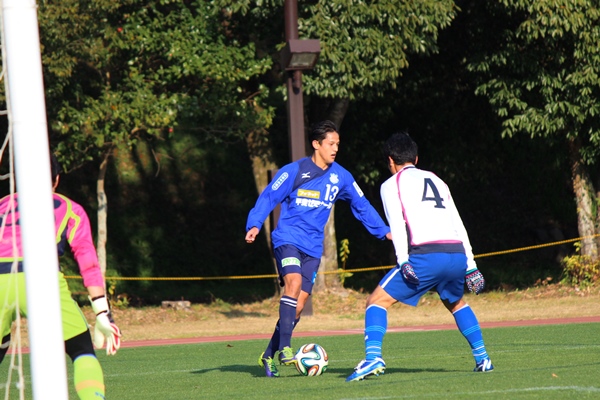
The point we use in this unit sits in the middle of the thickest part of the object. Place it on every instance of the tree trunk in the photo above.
(102, 212)
(583, 189)
(262, 162)
(329, 261)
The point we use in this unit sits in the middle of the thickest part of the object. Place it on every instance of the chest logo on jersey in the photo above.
(306, 175)
(334, 178)
(279, 181)
(309, 194)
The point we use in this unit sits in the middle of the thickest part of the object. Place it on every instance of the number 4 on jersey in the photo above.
(428, 183)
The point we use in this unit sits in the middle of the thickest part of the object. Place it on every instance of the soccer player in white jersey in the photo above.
(432, 251)
(306, 190)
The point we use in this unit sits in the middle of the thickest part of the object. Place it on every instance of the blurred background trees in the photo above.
(173, 109)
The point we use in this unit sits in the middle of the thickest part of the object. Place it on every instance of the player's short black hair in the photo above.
(401, 148)
(320, 130)
(55, 167)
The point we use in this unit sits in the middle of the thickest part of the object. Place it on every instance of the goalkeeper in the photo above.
(72, 229)
(432, 250)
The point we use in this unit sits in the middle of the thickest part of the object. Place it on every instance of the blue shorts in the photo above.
(443, 271)
(291, 260)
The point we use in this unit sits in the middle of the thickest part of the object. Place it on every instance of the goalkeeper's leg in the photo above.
(4, 347)
(88, 376)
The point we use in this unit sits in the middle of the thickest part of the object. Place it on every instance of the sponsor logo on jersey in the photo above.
(312, 203)
(334, 178)
(310, 194)
(280, 181)
(290, 261)
(360, 192)
(306, 175)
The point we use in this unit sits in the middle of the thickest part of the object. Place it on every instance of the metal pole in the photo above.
(295, 104)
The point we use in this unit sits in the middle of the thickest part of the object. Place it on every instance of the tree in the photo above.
(117, 73)
(540, 71)
(365, 46)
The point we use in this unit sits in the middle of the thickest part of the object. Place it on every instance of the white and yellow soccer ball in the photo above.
(311, 360)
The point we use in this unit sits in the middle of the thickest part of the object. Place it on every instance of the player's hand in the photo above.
(409, 273)
(251, 234)
(105, 329)
(475, 281)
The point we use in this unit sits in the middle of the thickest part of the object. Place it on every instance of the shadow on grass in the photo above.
(253, 370)
(258, 372)
(345, 372)
(242, 314)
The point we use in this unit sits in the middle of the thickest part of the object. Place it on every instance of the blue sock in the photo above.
(469, 326)
(274, 342)
(375, 328)
(287, 317)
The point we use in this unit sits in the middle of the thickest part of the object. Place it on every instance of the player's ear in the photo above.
(391, 165)
(416, 160)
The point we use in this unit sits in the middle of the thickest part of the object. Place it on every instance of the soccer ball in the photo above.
(311, 360)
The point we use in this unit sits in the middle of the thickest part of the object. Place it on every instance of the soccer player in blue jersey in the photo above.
(432, 250)
(306, 190)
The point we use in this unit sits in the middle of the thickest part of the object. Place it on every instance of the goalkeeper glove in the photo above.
(409, 273)
(105, 328)
(475, 281)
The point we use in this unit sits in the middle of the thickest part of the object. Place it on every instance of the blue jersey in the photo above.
(306, 194)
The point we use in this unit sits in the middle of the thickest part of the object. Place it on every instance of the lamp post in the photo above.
(296, 56)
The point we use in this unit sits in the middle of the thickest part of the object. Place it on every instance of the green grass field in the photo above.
(537, 362)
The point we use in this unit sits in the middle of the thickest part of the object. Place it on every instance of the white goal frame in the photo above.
(27, 119)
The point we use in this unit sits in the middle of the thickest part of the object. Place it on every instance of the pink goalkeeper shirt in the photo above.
(72, 227)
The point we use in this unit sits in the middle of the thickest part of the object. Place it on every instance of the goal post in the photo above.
(27, 119)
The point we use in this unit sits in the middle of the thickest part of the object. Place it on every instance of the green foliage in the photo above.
(541, 72)
(365, 45)
(343, 254)
(116, 300)
(580, 270)
(117, 72)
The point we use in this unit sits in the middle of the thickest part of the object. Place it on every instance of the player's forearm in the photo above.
(95, 291)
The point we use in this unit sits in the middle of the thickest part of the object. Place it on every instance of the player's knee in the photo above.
(380, 298)
(454, 306)
(79, 345)
(293, 285)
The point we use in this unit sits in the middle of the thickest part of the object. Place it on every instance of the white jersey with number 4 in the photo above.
(422, 216)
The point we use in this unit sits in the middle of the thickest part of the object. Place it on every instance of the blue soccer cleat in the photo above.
(366, 368)
(269, 365)
(484, 366)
